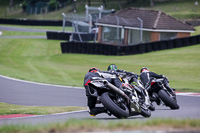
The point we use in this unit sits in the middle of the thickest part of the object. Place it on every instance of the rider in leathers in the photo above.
(113, 69)
(146, 76)
(94, 72)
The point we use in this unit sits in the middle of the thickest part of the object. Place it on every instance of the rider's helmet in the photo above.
(112, 67)
(93, 70)
(144, 69)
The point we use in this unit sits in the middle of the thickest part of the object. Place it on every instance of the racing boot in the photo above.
(97, 110)
(155, 99)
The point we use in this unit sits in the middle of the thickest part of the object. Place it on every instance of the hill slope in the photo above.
(181, 9)
(41, 61)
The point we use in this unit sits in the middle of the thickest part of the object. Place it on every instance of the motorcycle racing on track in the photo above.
(123, 94)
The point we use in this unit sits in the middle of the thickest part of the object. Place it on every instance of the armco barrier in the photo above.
(35, 22)
(108, 49)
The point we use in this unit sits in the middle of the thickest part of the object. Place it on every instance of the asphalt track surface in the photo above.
(36, 94)
(8, 28)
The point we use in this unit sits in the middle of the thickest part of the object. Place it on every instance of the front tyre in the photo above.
(120, 110)
(145, 112)
(167, 100)
(151, 107)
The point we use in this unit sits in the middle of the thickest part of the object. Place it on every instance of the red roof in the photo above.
(152, 19)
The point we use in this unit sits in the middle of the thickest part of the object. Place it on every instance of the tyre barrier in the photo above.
(52, 35)
(193, 23)
(163, 45)
(193, 40)
(170, 44)
(178, 43)
(155, 46)
(35, 22)
(108, 49)
(57, 35)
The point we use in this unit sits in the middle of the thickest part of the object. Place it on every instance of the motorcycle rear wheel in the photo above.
(110, 103)
(167, 100)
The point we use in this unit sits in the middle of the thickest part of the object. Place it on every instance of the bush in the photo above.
(24, 5)
(52, 4)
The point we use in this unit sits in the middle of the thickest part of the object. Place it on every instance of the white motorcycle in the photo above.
(122, 103)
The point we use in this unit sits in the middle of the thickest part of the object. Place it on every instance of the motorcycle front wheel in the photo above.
(167, 100)
(145, 112)
(119, 110)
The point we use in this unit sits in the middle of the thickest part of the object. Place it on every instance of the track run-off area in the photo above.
(20, 92)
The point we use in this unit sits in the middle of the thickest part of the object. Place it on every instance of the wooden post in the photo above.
(99, 33)
(126, 36)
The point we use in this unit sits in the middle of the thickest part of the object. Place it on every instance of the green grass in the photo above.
(197, 32)
(6, 109)
(17, 33)
(40, 60)
(91, 125)
(180, 9)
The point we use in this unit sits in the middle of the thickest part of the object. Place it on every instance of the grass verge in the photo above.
(40, 60)
(17, 33)
(6, 109)
(91, 125)
(197, 32)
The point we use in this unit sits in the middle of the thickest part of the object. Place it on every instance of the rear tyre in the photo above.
(167, 100)
(110, 103)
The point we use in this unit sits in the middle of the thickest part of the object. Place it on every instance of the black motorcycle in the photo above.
(161, 94)
(122, 103)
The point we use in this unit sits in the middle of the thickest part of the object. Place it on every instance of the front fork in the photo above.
(172, 96)
(170, 92)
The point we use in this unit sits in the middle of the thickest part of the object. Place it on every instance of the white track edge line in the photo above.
(62, 86)
(35, 116)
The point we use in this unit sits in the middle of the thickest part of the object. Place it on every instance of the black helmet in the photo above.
(112, 67)
(144, 69)
(93, 70)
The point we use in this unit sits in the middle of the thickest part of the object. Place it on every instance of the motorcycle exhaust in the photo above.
(116, 90)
